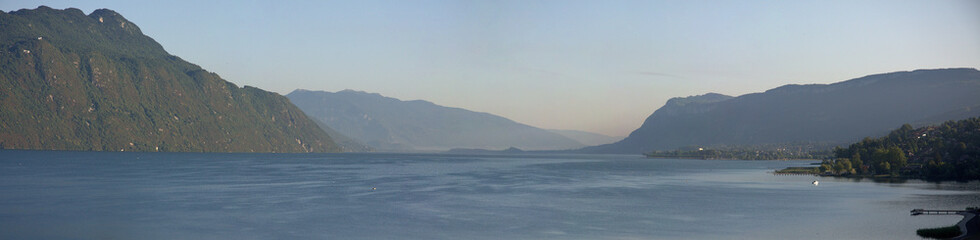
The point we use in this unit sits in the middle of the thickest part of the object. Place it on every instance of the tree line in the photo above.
(950, 151)
(787, 151)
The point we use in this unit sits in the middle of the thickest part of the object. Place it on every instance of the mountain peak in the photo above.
(113, 19)
(104, 31)
(705, 98)
(104, 12)
(352, 91)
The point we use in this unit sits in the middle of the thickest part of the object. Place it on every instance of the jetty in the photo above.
(919, 211)
(969, 225)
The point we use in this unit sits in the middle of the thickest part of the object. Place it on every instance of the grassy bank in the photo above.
(939, 233)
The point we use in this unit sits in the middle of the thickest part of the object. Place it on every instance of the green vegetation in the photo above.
(950, 151)
(74, 82)
(758, 152)
(939, 233)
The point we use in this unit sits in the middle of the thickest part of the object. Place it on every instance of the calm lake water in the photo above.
(91, 195)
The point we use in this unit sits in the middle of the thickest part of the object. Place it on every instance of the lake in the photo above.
(112, 195)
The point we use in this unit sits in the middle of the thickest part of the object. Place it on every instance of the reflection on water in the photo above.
(81, 195)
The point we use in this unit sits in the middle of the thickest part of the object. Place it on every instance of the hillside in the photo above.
(389, 124)
(838, 113)
(346, 144)
(70, 81)
(948, 151)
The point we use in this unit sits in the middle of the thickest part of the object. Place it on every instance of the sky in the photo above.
(598, 66)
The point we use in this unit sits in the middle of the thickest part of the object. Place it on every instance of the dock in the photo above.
(969, 225)
(919, 211)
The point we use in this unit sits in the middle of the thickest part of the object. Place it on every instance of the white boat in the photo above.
(816, 183)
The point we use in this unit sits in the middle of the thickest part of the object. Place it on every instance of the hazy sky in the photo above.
(600, 66)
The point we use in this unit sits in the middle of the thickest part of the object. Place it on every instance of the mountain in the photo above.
(70, 81)
(346, 144)
(587, 138)
(837, 113)
(390, 124)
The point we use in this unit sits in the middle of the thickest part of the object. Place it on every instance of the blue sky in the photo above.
(600, 66)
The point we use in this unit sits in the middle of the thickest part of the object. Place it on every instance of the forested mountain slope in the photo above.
(70, 81)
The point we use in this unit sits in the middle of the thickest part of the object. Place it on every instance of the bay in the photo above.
(111, 195)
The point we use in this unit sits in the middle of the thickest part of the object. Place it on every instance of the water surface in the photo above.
(93, 195)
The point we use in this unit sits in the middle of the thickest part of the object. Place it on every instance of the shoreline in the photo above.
(729, 159)
(900, 177)
(969, 225)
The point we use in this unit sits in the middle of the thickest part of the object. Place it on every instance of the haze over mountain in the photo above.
(837, 113)
(345, 143)
(389, 124)
(586, 138)
(70, 81)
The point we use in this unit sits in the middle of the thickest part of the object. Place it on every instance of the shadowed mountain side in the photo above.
(842, 112)
(70, 81)
(389, 124)
(347, 144)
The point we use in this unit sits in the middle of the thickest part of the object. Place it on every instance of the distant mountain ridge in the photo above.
(841, 113)
(70, 81)
(389, 124)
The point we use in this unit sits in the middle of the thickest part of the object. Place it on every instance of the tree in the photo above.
(824, 167)
(848, 167)
(896, 158)
(886, 167)
(945, 152)
(838, 166)
(857, 163)
(878, 158)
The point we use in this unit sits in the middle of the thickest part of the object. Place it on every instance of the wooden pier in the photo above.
(919, 211)
(969, 226)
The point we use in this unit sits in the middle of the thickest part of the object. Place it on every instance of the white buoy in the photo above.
(816, 183)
